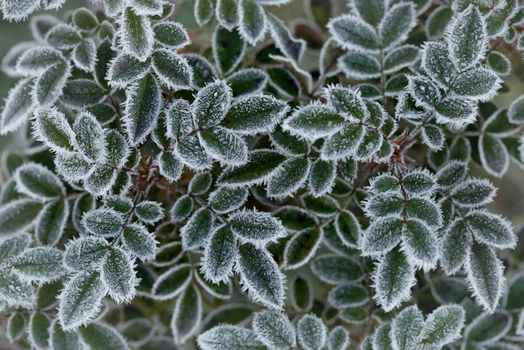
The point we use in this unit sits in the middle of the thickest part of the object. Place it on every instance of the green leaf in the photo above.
(371, 11)
(39, 264)
(291, 47)
(203, 71)
(139, 242)
(190, 151)
(425, 93)
(15, 326)
(516, 111)
(39, 326)
(211, 104)
(90, 137)
(197, 229)
(63, 37)
(455, 112)
(203, 11)
(322, 177)
(187, 315)
(314, 121)
(261, 165)
(224, 146)
(149, 212)
(494, 155)
(38, 182)
(101, 336)
(382, 338)
(256, 227)
(301, 248)
(224, 199)
(84, 55)
(335, 269)
(311, 332)
(425, 210)
(324, 206)
(171, 34)
(80, 300)
(338, 338)
(394, 276)
(172, 69)
(228, 49)
(420, 244)
(360, 66)
(401, 57)
(488, 328)
(347, 228)
(398, 21)
(247, 81)
(84, 19)
(344, 143)
(172, 282)
(382, 236)
(169, 166)
(485, 276)
(454, 246)
(491, 229)
(477, 84)
(499, 63)
(437, 63)
(467, 38)
(142, 108)
(252, 18)
(181, 209)
(255, 114)
(301, 294)
(226, 337)
(200, 183)
(126, 69)
(220, 255)
(406, 328)
(18, 106)
(349, 295)
(62, 340)
(18, 216)
(136, 34)
(10, 248)
(288, 177)
(351, 32)
(260, 275)
(119, 275)
(82, 92)
(274, 329)
(437, 22)
(227, 13)
(48, 87)
(443, 326)
(103, 222)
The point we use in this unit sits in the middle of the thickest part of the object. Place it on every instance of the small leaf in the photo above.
(253, 21)
(15, 326)
(425, 93)
(420, 244)
(84, 55)
(80, 300)
(322, 177)
(406, 328)
(352, 33)
(197, 229)
(371, 11)
(39, 264)
(338, 338)
(302, 248)
(360, 66)
(516, 111)
(485, 276)
(52, 128)
(443, 326)
(10, 248)
(228, 49)
(211, 104)
(260, 276)
(311, 332)
(335, 269)
(39, 326)
(101, 336)
(171, 34)
(203, 11)
(149, 212)
(227, 13)
(290, 46)
(38, 182)
(226, 337)
(126, 69)
(16, 291)
(63, 37)
(314, 121)
(288, 177)
(491, 229)
(220, 255)
(224, 146)
(473, 193)
(477, 84)
(85, 253)
(349, 295)
(137, 34)
(48, 87)
(18, 216)
(181, 209)
(261, 165)
(142, 109)
(119, 276)
(247, 81)
(437, 63)
(103, 222)
(18, 106)
(90, 137)
(191, 152)
(224, 200)
(187, 315)
(394, 277)
(398, 21)
(382, 236)
(454, 246)
(63, 340)
(401, 57)
(256, 227)
(172, 69)
(493, 155)
(172, 282)
(139, 241)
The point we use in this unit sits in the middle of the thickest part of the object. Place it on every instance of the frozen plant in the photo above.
(261, 182)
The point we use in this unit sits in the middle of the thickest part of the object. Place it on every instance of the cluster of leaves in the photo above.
(158, 192)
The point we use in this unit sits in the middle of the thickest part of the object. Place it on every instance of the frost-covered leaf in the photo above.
(84, 55)
(90, 137)
(433, 136)
(438, 21)
(274, 329)
(455, 112)
(290, 46)
(360, 66)
(15, 10)
(11, 247)
(84, 19)
(48, 87)
(302, 248)
(181, 209)
(247, 81)
(220, 254)
(228, 49)
(171, 34)
(85, 253)
(335, 269)
(256, 227)
(348, 228)
(454, 246)
(371, 11)
(142, 108)
(401, 57)
(226, 337)
(187, 315)
(136, 35)
(473, 193)
(63, 36)
(38, 182)
(125, 69)
(139, 242)
(343, 143)
(227, 13)
(149, 212)
(443, 326)
(516, 111)
(197, 229)
(101, 336)
(420, 244)
(253, 21)
(418, 182)
(190, 152)
(223, 145)
(425, 93)
(485, 275)
(338, 338)
(499, 63)
(467, 38)
(39, 264)
(488, 328)
(16, 291)
(169, 166)
(322, 177)
(18, 106)
(394, 277)
(255, 114)
(437, 63)
(117, 149)
(211, 104)
(311, 332)
(382, 235)
(494, 155)
(406, 328)
(118, 275)
(348, 295)
(352, 33)
(100, 180)
(288, 177)
(80, 300)
(81, 93)
(477, 84)
(103, 222)
(15, 326)
(172, 282)
(18, 215)
(224, 200)
(172, 69)
(398, 21)
(382, 336)
(260, 275)
(491, 229)
(62, 340)
(203, 11)
(314, 121)
(51, 127)
(39, 330)
(200, 183)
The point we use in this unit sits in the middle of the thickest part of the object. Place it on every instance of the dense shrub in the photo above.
(216, 189)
